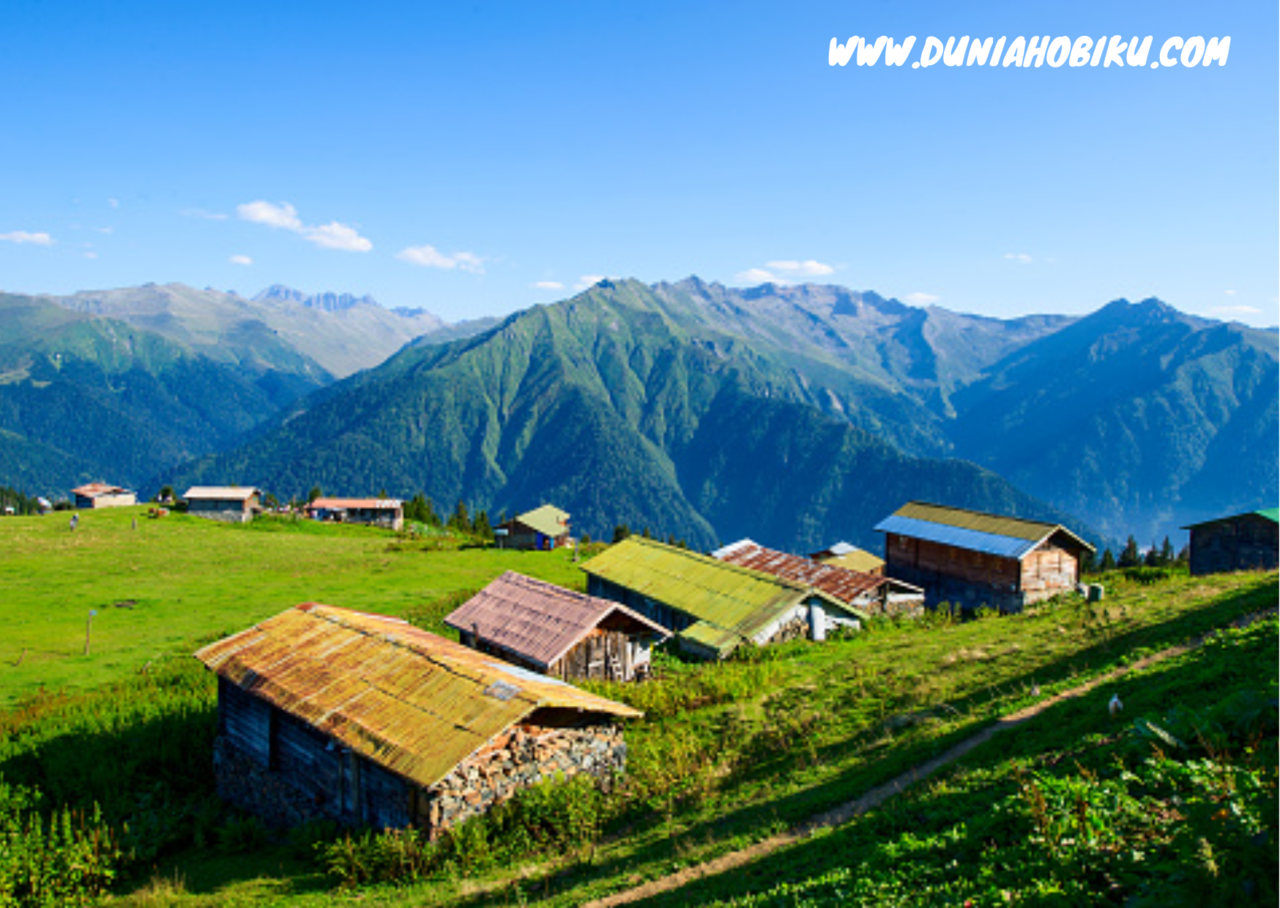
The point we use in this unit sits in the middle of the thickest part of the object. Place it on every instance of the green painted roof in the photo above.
(1272, 514)
(732, 603)
(547, 520)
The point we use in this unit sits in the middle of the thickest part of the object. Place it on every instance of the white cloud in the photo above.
(1235, 310)
(807, 268)
(240, 260)
(22, 236)
(90, 255)
(430, 257)
(1020, 257)
(114, 203)
(753, 276)
(548, 285)
(283, 215)
(1229, 292)
(333, 235)
(589, 280)
(337, 236)
(922, 299)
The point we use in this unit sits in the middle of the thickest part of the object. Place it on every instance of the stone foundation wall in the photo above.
(244, 782)
(795, 629)
(521, 757)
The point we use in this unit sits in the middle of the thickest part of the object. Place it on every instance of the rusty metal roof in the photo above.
(372, 504)
(92, 489)
(846, 585)
(734, 599)
(411, 701)
(536, 620)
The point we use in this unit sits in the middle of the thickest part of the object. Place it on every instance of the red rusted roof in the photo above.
(840, 583)
(373, 504)
(90, 489)
(409, 700)
(535, 620)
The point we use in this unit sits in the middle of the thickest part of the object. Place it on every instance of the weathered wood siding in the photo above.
(951, 574)
(1048, 571)
(670, 618)
(601, 655)
(228, 511)
(1244, 543)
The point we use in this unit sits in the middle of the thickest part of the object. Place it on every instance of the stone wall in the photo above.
(522, 756)
(795, 629)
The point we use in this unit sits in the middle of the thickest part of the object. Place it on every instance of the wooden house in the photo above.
(381, 512)
(546, 527)
(558, 632)
(1243, 542)
(232, 504)
(326, 713)
(871, 593)
(712, 607)
(102, 495)
(971, 559)
(844, 555)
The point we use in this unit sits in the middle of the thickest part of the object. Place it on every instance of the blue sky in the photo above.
(476, 159)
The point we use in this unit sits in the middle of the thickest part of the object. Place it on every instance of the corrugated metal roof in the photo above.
(1008, 537)
(732, 598)
(1272, 514)
(375, 504)
(536, 620)
(220, 493)
(92, 489)
(858, 560)
(547, 520)
(409, 700)
(842, 583)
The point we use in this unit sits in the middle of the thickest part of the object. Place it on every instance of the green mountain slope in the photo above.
(84, 397)
(614, 405)
(1138, 418)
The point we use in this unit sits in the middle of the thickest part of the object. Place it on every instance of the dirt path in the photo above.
(881, 793)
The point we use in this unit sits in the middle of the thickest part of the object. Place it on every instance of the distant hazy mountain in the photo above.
(1138, 418)
(339, 333)
(84, 397)
(625, 404)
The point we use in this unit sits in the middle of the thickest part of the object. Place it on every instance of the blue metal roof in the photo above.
(978, 541)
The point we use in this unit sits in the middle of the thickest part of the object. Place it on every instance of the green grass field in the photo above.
(160, 589)
(726, 755)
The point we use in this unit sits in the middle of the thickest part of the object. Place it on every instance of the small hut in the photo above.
(381, 512)
(555, 631)
(1242, 542)
(326, 713)
(102, 495)
(231, 504)
(546, 527)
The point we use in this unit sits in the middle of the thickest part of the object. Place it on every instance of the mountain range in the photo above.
(794, 414)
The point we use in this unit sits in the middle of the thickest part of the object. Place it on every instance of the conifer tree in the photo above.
(1130, 557)
(1108, 561)
(621, 532)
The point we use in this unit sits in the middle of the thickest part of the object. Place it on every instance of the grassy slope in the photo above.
(191, 579)
(770, 744)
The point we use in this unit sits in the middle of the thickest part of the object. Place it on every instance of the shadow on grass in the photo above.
(757, 820)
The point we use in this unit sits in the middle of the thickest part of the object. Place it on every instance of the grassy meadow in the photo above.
(726, 755)
(172, 582)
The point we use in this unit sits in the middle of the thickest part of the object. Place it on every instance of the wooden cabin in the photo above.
(710, 606)
(844, 555)
(102, 495)
(558, 632)
(972, 559)
(381, 512)
(326, 713)
(543, 528)
(1243, 542)
(232, 504)
(871, 593)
